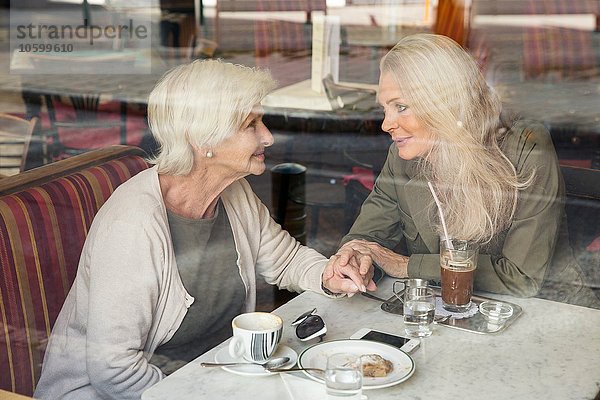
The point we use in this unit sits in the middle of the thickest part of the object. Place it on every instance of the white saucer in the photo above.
(223, 356)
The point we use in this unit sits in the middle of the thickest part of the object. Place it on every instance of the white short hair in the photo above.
(201, 104)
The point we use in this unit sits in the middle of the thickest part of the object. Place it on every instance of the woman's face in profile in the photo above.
(244, 152)
(411, 138)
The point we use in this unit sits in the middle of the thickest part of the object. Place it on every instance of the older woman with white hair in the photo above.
(498, 182)
(173, 254)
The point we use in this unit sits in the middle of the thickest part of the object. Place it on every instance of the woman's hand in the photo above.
(356, 274)
(393, 264)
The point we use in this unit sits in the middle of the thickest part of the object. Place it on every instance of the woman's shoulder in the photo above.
(241, 187)
(527, 142)
(139, 189)
(136, 199)
(528, 133)
(239, 192)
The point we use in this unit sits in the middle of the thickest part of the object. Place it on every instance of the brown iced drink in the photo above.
(458, 261)
(457, 286)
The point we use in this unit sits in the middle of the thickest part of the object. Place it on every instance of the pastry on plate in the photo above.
(375, 366)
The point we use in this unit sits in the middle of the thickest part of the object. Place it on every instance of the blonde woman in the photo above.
(498, 182)
(173, 255)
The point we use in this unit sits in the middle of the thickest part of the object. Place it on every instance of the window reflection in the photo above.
(541, 57)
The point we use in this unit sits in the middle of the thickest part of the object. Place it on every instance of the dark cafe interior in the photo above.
(75, 81)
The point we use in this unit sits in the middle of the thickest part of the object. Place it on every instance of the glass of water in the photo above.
(419, 310)
(343, 376)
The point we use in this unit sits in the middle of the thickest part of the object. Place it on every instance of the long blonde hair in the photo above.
(475, 182)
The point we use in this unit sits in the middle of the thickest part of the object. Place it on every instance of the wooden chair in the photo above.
(15, 136)
(83, 122)
(45, 214)
(77, 125)
(4, 395)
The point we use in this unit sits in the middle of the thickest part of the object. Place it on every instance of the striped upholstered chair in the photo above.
(554, 53)
(45, 214)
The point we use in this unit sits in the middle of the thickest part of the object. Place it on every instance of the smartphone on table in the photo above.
(405, 344)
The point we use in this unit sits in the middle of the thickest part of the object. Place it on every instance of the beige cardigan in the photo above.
(128, 298)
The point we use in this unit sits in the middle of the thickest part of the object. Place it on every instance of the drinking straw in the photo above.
(439, 207)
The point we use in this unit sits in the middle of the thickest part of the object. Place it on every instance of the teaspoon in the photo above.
(271, 364)
(295, 369)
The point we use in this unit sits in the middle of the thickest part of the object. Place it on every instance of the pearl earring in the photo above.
(209, 154)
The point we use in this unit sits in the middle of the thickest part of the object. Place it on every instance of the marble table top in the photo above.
(550, 352)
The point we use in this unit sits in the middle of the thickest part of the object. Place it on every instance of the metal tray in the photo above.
(476, 323)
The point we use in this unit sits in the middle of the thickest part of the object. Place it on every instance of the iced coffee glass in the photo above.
(458, 266)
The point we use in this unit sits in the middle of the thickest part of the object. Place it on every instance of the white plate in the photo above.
(316, 357)
(223, 356)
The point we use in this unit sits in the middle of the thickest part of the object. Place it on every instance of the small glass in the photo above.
(495, 312)
(419, 311)
(343, 376)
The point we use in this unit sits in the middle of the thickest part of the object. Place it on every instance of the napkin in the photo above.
(300, 388)
(303, 388)
(441, 311)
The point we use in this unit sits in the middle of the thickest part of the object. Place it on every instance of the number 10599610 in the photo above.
(45, 47)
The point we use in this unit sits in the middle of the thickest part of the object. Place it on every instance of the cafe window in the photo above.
(83, 70)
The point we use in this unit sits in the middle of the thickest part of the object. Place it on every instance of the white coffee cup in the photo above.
(255, 336)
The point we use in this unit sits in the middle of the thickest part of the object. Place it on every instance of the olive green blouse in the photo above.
(519, 260)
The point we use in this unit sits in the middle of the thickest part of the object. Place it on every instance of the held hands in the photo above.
(356, 274)
(393, 264)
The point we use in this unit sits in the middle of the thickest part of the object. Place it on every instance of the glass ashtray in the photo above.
(495, 312)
